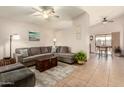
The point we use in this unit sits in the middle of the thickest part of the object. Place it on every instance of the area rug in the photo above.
(51, 76)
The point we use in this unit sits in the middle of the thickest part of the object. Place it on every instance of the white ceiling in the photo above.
(25, 13)
(96, 13)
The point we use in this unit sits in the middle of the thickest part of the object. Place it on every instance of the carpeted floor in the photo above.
(50, 77)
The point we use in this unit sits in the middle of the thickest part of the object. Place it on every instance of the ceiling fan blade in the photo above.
(110, 21)
(57, 16)
(36, 9)
(36, 13)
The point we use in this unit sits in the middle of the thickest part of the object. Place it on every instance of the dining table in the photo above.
(103, 48)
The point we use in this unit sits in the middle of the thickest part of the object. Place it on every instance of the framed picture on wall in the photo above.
(78, 32)
(34, 36)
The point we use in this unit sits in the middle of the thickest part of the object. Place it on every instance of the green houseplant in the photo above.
(80, 57)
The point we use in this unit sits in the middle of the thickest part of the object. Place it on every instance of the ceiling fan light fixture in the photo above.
(45, 11)
(104, 22)
(45, 16)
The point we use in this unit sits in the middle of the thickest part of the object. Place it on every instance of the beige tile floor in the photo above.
(97, 72)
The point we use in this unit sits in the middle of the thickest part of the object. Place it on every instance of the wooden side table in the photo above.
(4, 62)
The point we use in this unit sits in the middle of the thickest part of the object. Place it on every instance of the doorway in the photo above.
(103, 44)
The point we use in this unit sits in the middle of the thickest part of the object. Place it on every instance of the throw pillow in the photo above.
(64, 50)
(24, 52)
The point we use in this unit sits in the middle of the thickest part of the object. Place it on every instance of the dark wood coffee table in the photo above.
(47, 63)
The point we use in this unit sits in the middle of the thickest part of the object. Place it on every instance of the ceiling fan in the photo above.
(105, 20)
(45, 11)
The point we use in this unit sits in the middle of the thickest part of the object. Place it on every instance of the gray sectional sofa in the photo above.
(64, 54)
(16, 75)
(28, 56)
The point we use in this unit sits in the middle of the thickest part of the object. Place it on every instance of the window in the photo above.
(103, 40)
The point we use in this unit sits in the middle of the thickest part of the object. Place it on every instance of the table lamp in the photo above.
(54, 41)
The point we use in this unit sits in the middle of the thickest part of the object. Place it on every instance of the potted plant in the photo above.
(80, 57)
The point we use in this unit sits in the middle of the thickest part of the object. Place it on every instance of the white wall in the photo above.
(67, 36)
(116, 26)
(8, 27)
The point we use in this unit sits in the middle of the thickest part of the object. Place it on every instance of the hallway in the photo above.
(97, 72)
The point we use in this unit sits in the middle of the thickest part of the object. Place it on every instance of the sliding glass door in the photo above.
(103, 40)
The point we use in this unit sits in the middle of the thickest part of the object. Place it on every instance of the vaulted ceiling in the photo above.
(98, 12)
(66, 13)
(25, 13)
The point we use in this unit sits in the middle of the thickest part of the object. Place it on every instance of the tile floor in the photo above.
(53, 75)
(97, 72)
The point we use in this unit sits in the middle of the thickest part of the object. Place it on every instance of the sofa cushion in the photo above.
(64, 55)
(63, 49)
(11, 67)
(49, 49)
(57, 49)
(66, 60)
(32, 58)
(23, 51)
(35, 51)
(46, 49)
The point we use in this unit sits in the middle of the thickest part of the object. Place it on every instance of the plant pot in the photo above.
(81, 62)
(86, 60)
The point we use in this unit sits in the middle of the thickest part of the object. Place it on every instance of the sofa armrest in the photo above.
(72, 53)
(18, 57)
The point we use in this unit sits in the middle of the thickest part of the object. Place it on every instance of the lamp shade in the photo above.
(16, 37)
